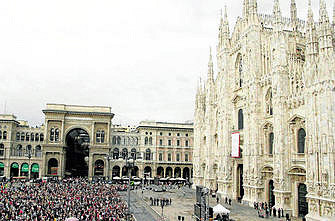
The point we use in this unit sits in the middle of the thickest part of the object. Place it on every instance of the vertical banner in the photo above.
(235, 146)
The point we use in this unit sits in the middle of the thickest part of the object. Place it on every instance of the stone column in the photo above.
(90, 167)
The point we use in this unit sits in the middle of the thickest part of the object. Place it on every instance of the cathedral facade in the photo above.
(264, 127)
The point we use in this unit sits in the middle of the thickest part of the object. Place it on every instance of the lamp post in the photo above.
(29, 155)
(108, 157)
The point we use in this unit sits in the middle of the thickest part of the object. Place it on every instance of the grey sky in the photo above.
(142, 58)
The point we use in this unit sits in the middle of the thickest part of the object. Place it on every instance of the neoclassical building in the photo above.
(82, 141)
(264, 127)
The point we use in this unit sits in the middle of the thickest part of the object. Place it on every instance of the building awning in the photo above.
(15, 165)
(35, 168)
(25, 167)
(2, 165)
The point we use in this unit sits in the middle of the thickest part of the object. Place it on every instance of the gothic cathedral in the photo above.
(264, 127)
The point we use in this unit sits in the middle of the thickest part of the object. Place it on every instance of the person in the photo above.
(217, 199)
(274, 212)
(229, 201)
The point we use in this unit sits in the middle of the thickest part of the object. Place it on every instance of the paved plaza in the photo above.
(183, 200)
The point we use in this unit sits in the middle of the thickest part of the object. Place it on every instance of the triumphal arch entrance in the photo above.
(77, 140)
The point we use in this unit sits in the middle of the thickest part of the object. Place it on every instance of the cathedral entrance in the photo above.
(272, 198)
(240, 182)
(77, 142)
(302, 203)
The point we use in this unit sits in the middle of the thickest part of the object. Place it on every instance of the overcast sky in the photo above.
(142, 58)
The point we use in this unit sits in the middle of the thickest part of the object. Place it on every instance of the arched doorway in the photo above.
(14, 170)
(160, 172)
(272, 199)
(302, 202)
(35, 169)
(134, 171)
(125, 171)
(99, 166)
(168, 172)
(177, 172)
(116, 171)
(53, 167)
(240, 181)
(24, 169)
(147, 170)
(2, 169)
(77, 142)
(186, 173)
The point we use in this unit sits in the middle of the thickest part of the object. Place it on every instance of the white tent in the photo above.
(219, 209)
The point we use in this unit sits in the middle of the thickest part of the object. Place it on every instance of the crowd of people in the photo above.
(73, 197)
(264, 210)
(160, 202)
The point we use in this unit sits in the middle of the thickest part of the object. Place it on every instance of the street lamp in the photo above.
(29, 155)
(130, 164)
(108, 157)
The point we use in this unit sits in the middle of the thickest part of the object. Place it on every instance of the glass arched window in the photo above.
(114, 140)
(22, 136)
(118, 142)
(186, 143)
(268, 100)
(0, 134)
(41, 137)
(52, 134)
(37, 137)
(147, 154)
(4, 135)
(27, 136)
(150, 140)
(240, 119)
(146, 141)
(102, 136)
(33, 137)
(57, 134)
(38, 151)
(18, 136)
(177, 157)
(301, 140)
(271, 137)
(2, 149)
(116, 153)
(186, 157)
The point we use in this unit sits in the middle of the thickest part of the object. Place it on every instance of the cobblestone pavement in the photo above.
(183, 200)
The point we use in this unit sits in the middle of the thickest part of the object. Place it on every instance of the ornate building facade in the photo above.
(82, 141)
(272, 104)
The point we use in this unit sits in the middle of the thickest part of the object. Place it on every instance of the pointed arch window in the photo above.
(240, 71)
(271, 137)
(114, 140)
(301, 140)
(0, 134)
(118, 140)
(146, 141)
(240, 119)
(2, 149)
(268, 100)
(4, 135)
(150, 140)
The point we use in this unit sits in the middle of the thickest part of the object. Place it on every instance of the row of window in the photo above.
(29, 136)
(169, 157)
(161, 134)
(127, 141)
(124, 153)
(19, 151)
(300, 141)
(3, 135)
(178, 143)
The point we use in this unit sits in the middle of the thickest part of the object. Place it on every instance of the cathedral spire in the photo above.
(294, 14)
(210, 66)
(325, 31)
(323, 12)
(312, 48)
(334, 14)
(245, 8)
(225, 23)
(253, 7)
(277, 16)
